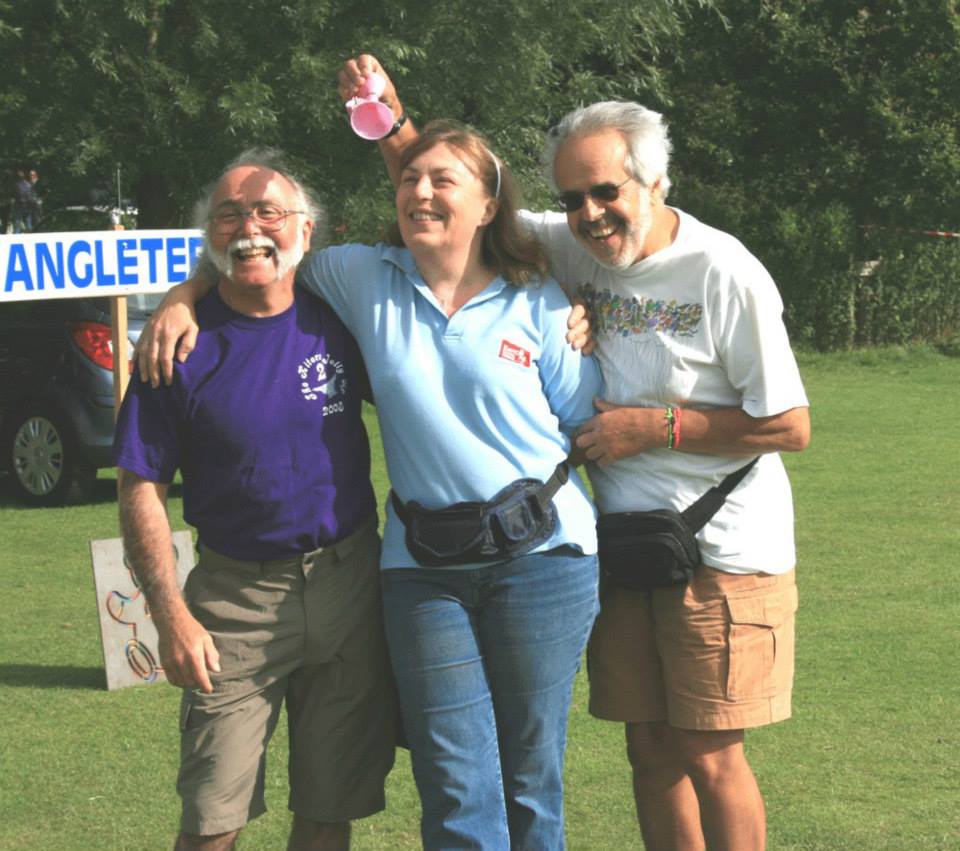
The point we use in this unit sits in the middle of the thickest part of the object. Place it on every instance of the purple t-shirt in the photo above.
(263, 420)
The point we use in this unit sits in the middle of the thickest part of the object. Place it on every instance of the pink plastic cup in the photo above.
(369, 118)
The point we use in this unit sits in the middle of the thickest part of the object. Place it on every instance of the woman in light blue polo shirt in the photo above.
(476, 388)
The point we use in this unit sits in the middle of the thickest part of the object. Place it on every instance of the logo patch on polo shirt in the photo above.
(514, 353)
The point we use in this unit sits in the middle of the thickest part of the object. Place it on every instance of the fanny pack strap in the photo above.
(543, 496)
(553, 484)
(399, 507)
(697, 515)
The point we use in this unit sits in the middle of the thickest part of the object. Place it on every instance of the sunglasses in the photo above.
(573, 200)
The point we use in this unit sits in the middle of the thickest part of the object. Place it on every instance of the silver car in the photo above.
(56, 393)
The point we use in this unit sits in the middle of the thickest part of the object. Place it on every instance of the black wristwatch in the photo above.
(397, 125)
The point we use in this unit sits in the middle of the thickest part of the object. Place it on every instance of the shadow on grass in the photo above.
(52, 676)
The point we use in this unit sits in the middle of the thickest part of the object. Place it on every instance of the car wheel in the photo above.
(44, 464)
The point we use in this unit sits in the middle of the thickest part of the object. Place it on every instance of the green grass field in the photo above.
(870, 761)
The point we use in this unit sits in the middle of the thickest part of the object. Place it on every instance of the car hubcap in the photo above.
(38, 455)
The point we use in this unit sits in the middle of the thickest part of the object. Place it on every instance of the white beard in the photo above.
(286, 260)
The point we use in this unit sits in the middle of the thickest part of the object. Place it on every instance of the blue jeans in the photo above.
(485, 660)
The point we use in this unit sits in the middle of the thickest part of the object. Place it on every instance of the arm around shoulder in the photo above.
(172, 330)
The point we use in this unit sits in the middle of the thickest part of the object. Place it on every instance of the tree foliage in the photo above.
(172, 89)
(838, 100)
(816, 130)
(812, 129)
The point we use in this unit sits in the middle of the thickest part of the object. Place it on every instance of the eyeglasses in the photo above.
(269, 217)
(573, 200)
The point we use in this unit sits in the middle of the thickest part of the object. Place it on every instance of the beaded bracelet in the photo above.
(670, 416)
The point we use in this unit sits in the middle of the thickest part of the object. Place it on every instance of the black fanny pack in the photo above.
(644, 550)
(518, 518)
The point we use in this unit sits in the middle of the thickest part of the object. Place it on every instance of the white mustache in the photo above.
(247, 242)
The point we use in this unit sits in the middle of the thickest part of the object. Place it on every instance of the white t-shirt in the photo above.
(697, 324)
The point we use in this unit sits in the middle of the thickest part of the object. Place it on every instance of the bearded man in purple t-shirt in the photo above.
(264, 425)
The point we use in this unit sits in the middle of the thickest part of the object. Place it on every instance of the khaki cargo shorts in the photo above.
(714, 655)
(306, 632)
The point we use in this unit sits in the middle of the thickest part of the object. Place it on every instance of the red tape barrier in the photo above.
(948, 233)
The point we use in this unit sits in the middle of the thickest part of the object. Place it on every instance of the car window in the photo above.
(143, 304)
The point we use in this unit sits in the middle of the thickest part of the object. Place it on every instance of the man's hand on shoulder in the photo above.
(170, 332)
(579, 332)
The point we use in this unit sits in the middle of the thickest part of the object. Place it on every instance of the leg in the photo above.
(447, 709)
(224, 735)
(217, 842)
(341, 703)
(308, 835)
(727, 649)
(627, 684)
(731, 807)
(534, 625)
(667, 806)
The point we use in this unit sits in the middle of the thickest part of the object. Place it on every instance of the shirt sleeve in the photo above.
(753, 340)
(565, 255)
(570, 380)
(344, 277)
(147, 436)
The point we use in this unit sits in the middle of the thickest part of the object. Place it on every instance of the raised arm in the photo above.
(172, 330)
(187, 652)
(349, 79)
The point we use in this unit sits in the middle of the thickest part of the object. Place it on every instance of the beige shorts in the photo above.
(307, 632)
(714, 655)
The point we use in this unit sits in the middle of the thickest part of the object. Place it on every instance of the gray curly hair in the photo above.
(275, 160)
(648, 144)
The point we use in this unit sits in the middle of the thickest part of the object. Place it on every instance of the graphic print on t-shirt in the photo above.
(645, 358)
(625, 316)
(322, 376)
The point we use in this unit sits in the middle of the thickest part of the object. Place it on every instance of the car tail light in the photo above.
(94, 339)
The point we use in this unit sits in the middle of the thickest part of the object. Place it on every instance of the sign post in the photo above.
(118, 331)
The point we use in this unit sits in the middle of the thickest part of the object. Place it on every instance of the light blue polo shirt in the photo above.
(469, 403)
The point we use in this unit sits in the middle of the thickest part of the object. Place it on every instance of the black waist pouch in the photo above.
(647, 549)
(644, 550)
(516, 520)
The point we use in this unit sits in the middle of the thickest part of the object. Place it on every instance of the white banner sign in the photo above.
(95, 263)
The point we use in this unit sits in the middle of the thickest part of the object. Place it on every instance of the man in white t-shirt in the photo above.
(689, 333)
(700, 379)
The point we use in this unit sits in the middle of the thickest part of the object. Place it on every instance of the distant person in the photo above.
(35, 202)
(699, 379)
(27, 204)
(284, 606)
